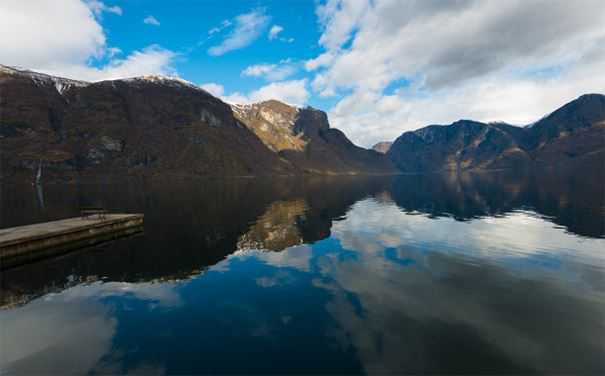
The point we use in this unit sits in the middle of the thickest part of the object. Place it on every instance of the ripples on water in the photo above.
(449, 274)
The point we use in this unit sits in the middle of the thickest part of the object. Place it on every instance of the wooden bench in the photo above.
(87, 212)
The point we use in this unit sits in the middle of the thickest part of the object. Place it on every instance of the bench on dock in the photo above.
(87, 212)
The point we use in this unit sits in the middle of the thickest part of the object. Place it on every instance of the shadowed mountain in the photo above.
(574, 132)
(141, 125)
(154, 125)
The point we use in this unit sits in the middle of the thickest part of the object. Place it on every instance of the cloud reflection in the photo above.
(46, 334)
(464, 280)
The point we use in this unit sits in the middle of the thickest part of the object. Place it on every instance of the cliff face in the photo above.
(303, 137)
(573, 132)
(149, 125)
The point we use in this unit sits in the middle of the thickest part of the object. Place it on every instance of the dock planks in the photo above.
(42, 239)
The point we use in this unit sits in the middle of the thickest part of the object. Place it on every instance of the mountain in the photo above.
(382, 147)
(574, 132)
(161, 125)
(151, 125)
(303, 137)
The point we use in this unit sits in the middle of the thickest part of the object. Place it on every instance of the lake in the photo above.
(471, 273)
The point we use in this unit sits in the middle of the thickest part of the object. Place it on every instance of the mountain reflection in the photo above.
(467, 273)
(189, 225)
(277, 228)
(575, 201)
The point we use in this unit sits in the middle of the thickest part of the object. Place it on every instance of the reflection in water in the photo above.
(426, 282)
(576, 201)
(412, 274)
(277, 228)
(40, 196)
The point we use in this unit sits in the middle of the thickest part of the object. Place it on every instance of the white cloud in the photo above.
(225, 24)
(339, 18)
(98, 7)
(151, 20)
(271, 72)
(213, 88)
(448, 43)
(275, 30)
(46, 42)
(322, 60)
(274, 34)
(45, 35)
(368, 117)
(293, 92)
(469, 59)
(150, 60)
(258, 70)
(247, 29)
(113, 51)
(237, 98)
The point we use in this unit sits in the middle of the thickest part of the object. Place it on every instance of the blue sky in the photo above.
(189, 36)
(377, 67)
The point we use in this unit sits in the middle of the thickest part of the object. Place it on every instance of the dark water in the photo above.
(490, 273)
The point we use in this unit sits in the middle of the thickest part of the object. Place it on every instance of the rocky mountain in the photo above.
(303, 137)
(151, 125)
(574, 132)
(382, 147)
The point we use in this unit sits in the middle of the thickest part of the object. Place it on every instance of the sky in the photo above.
(377, 67)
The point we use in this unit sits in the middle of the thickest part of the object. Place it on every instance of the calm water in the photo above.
(414, 274)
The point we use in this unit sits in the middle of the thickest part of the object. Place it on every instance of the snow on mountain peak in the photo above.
(60, 83)
(165, 80)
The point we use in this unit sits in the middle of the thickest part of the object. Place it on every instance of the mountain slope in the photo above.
(146, 125)
(303, 137)
(575, 131)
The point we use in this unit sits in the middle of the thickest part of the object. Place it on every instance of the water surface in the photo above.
(491, 273)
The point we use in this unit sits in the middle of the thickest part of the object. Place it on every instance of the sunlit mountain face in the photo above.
(442, 273)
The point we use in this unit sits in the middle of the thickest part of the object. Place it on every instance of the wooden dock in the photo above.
(26, 243)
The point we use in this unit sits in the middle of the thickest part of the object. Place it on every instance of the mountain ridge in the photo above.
(575, 130)
(144, 125)
(163, 124)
